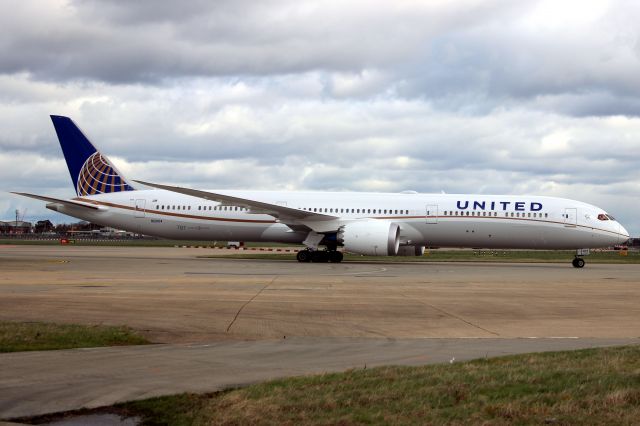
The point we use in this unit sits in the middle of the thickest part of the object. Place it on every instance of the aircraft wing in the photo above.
(59, 201)
(281, 212)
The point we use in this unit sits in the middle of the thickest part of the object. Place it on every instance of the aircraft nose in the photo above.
(624, 234)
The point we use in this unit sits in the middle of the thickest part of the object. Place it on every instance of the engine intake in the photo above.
(371, 237)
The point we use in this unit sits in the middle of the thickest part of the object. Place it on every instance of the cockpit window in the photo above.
(611, 217)
(603, 216)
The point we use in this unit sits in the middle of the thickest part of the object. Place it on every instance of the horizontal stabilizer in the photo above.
(70, 203)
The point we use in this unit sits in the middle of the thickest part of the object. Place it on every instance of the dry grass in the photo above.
(598, 386)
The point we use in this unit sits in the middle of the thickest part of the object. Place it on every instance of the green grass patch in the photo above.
(515, 256)
(40, 336)
(593, 387)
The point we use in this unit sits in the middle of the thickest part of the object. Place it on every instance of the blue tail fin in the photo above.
(91, 172)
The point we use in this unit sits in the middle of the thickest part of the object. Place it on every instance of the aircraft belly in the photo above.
(508, 235)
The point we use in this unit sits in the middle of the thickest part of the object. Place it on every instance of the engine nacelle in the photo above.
(411, 251)
(371, 237)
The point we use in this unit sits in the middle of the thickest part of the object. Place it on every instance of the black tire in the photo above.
(336, 256)
(303, 256)
(319, 256)
(578, 262)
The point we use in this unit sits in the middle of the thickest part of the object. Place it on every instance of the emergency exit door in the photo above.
(432, 213)
(140, 204)
(570, 217)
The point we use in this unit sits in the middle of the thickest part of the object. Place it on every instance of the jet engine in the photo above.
(371, 237)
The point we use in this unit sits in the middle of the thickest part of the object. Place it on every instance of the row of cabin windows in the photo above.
(336, 210)
(172, 207)
(221, 208)
(494, 214)
(309, 209)
(369, 211)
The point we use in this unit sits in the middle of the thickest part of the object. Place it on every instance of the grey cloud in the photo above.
(149, 41)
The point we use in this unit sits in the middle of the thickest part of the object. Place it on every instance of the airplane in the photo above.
(374, 224)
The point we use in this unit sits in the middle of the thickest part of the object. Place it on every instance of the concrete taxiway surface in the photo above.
(43, 382)
(174, 296)
(334, 316)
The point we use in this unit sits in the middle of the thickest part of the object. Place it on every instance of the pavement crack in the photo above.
(249, 301)
(459, 318)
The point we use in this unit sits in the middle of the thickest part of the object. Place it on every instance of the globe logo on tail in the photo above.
(98, 176)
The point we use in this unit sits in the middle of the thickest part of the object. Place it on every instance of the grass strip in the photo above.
(40, 336)
(592, 387)
(506, 256)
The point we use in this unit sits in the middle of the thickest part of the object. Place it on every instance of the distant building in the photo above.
(15, 227)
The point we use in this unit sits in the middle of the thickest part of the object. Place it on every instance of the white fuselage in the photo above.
(443, 220)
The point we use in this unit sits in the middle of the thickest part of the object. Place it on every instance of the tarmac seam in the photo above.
(249, 301)
(458, 318)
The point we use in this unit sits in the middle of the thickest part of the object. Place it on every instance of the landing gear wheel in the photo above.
(335, 256)
(304, 256)
(319, 256)
(578, 262)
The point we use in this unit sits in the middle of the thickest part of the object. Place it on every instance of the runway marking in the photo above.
(456, 317)
(226, 273)
(249, 301)
(554, 337)
(375, 271)
(294, 273)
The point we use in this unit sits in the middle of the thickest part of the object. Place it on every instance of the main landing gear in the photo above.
(318, 256)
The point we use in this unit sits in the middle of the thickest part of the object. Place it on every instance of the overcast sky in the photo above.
(490, 97)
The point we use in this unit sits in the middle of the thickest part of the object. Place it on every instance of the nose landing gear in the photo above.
(578, 262)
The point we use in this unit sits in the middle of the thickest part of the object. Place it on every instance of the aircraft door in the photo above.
(432, 213)
(139, 208)
(570, 217)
